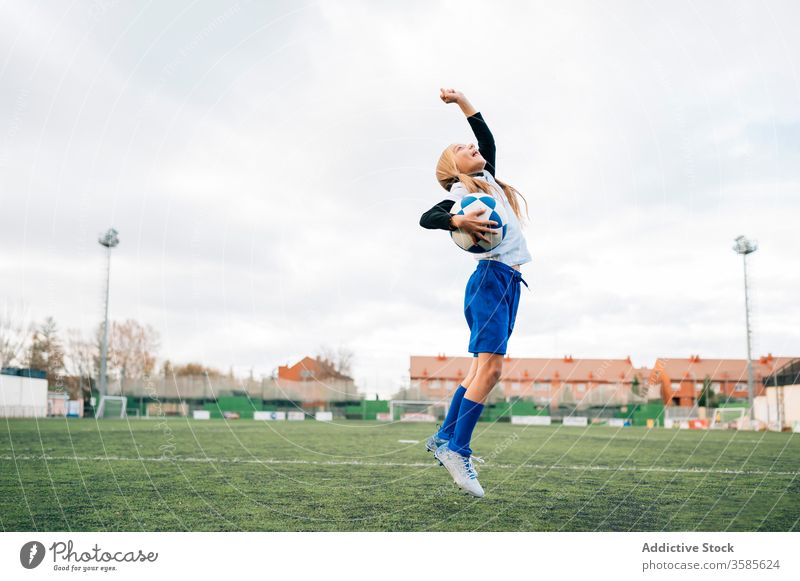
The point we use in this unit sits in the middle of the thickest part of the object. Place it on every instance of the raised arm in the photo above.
(477, 124)
(485, 140)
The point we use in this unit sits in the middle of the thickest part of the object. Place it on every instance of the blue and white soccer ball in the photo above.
(473, 202)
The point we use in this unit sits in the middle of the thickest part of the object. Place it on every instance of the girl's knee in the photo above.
(491, 371)
(496, 372)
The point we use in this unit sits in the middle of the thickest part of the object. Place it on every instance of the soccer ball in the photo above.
(474, 202)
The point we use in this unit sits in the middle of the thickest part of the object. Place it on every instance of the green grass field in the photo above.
(185, 475)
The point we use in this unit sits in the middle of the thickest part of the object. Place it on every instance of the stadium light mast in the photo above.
(744, 247)
(109, 240)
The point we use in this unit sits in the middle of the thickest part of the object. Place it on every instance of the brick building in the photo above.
(310, 369)
(583, 382)
(681, 380)
(551, 382)
(313, 380)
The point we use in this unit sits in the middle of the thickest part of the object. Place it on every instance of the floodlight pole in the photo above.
(749, 354)
(744, 247)
(109, 240)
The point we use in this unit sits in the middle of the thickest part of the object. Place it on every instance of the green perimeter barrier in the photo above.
(639, 413)
(367, 409)
(502, 411)
(136, 406)
(234, 403)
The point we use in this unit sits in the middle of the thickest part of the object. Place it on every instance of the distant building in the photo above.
(787, 374)
(310, 383)
(310, 369)
(550, 382)
(315, 381)
(23, 393)
(681, 380)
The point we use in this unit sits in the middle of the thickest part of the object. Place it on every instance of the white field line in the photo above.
(236, 460)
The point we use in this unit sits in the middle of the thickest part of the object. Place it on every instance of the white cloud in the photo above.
(266, 165)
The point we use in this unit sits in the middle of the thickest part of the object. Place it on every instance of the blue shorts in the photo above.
(490, 306)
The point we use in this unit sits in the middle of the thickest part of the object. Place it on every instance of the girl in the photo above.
(492, 293)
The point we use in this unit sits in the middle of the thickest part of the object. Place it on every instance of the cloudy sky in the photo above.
(266, 164)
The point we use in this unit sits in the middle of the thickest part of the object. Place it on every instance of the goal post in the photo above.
(727, 418)
(677, 416)
(112, 406)
(417, 410)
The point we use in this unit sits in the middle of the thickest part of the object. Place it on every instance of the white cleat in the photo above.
(434, 442)
(461, 469)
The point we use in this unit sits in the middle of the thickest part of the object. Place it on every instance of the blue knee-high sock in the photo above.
(468, 414)
(446, 431)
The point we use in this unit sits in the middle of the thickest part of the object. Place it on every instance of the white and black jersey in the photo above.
(513, 249)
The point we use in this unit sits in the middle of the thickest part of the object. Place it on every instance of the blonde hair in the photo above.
(447, 174)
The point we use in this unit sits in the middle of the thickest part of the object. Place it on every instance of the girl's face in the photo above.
(468, 158)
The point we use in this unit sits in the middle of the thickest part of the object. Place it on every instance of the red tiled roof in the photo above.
(529, 368)
(573, 369)
(698, 368)
(313, 366)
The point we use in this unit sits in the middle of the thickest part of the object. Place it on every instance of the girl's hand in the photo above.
(451, 96)
(473, 225)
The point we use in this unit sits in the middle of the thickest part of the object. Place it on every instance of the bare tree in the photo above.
(81, 355)
(46, 351)
(80, 362)
(340, 361)
(344, 361)
(15, 329)
(195, 369)
(132, 349)
(166, 369)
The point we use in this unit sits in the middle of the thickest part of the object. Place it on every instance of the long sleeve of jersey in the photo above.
(485, 140)
(438, 217)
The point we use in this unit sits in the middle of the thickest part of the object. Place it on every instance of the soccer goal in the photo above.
(727, 418)
(417, 410)
(679, 416)
(112, 406)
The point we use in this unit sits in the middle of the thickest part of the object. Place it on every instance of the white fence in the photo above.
(779, 407)
(579, 421)
(269, 416)
(22, 397)
(531, 420)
